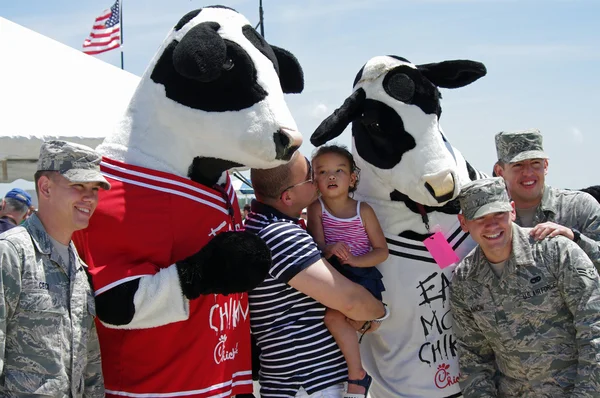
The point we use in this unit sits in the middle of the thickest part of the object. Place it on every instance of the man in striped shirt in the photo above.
(299, 357)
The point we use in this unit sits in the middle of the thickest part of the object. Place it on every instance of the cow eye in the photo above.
(228, 65)
(400, 87)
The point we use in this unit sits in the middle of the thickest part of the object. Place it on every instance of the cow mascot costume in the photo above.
(410, 175)
(168, 269)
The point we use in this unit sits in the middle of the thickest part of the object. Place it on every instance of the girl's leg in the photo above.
(346, 338)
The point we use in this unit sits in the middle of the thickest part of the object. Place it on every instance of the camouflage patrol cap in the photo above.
(519, 145)
(481, 197)
(77, 163)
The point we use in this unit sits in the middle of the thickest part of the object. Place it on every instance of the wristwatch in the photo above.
(385, 316)
(576, 235)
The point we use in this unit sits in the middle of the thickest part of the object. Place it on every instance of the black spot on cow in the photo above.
(259, 42)
(187, 18)
(472, 172)
(358, 76)
(380, 136)
(409, 86)
(399, 58)
(205, 72)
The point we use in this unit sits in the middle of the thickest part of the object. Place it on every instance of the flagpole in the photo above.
(121, 21)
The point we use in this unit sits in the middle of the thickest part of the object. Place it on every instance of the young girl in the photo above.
(349, 230)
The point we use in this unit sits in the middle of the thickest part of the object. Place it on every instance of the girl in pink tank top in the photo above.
(350, 237)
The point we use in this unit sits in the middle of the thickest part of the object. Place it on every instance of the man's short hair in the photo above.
(268, 183)
(247, 207)
(12, 205)
(38, 174)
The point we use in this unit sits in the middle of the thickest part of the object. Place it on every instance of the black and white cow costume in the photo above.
(411, 176)
(167, 268)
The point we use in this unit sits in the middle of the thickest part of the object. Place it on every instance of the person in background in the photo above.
(526, 312)
(48, 341)
(304, 214)
(575, 215)
(245, 211)
(14, 208)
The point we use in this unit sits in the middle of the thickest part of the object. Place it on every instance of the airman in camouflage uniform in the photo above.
(48, 341)
(550, 211)
(533, 331)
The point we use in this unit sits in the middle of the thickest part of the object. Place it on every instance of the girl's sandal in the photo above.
(364, 382)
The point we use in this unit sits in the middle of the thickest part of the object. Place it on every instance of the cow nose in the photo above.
(286, 143)
(441, 187)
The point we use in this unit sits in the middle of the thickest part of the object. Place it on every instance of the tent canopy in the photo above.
(51, 91)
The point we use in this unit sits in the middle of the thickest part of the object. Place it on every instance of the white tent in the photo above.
(51, 91)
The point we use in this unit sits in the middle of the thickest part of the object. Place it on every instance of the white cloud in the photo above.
(320, 111)
(577, 135)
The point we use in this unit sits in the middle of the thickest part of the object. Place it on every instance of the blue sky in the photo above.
(542, 57)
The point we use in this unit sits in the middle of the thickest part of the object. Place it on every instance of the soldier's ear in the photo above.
(463, 224)
(43, 186)
(513, 213)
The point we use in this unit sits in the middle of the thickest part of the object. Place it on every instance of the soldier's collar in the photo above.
(548, 202)
(521, 250)
(39, 236)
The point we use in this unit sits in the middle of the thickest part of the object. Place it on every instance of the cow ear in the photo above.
(290, 71)
(201, 53)
(335, 124)
(453, 74)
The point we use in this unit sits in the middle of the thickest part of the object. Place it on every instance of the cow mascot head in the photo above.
(168, 267)
(411, 175)
(398, 143)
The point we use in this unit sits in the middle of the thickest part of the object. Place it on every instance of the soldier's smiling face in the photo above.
(73, 203)
(492, 232)
(525, 180)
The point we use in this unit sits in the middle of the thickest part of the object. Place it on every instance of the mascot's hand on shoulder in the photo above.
(243, 262)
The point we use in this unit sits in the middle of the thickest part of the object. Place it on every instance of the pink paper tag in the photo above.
(440, 250)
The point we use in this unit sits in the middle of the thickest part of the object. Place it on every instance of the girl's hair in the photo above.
(344, 152)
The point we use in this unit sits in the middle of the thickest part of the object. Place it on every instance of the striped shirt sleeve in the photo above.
(292, 249)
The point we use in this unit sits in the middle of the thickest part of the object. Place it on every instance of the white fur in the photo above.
(145, 134)
(158, 301)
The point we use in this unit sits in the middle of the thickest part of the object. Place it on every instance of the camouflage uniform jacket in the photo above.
(538, 325)
(48, 341)
(572, 209)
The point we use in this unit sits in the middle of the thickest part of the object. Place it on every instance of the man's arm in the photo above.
(588, 211)
(476, 357)
(10, 289)
(94, 381)
(585, 212)
(580, 286)
(323, 283)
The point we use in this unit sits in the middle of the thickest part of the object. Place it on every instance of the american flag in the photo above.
(106, 32)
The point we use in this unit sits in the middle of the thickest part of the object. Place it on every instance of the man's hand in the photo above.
(550, 229)
(339, 249)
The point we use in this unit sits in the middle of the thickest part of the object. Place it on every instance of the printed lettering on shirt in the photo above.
(541, 290)
(435, 288)
(224, 317)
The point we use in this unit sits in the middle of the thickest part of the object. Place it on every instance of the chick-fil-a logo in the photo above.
(443, 378)
(223, 354)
